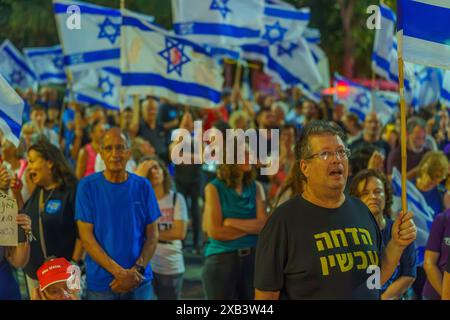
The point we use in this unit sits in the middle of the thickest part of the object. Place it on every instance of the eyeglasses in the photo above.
(120, 148)
(340, 154)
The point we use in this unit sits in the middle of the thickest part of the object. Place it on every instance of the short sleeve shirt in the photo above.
(309, 252)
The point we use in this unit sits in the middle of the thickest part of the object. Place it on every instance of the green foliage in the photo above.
(325, 15)
(31, 23)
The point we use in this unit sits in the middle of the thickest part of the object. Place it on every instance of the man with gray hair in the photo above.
(116, 213)
(324, 244)
(415, 148)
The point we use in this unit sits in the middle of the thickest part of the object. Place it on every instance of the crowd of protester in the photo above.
(70, 210)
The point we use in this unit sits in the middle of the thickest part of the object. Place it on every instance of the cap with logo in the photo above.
(53, 271)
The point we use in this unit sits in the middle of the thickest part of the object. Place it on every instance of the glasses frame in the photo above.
(325, 155)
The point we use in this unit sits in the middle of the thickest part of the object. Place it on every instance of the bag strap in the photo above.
(174, 200)
(41, 225)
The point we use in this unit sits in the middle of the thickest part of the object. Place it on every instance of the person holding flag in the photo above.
(326, 229)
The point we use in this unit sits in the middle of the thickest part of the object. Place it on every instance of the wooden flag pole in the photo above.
(373, 91)
(237, 76)
(402, 119)
(122, 45)
(69, 82)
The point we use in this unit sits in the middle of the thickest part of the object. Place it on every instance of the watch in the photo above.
(140, 269)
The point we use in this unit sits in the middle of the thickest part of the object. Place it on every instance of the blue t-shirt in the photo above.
(120, 213)
(407, 265)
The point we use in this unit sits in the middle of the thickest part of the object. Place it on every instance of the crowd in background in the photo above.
(223, 207)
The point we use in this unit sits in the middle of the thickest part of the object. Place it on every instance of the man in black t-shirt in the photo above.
(325, 244)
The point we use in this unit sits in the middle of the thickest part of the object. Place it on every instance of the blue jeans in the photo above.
(144, 292)
(168, 287)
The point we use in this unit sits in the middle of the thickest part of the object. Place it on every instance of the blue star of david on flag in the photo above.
(362, 100)
(174, 56)
(16, 77)
(105, 84)
(282, 50)
(221, 6)
(109, 30)
(274, 33)
(58, 62)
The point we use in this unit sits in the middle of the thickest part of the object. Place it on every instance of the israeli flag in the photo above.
(384, 42)
(97, 43)
(386, 105)
(417, 204)
(355, 97)
(98, 87)
(11, 111)
(445, 90)
(14, 67)
(283, 23)
(47, 63)
(428, 85)
(219, 22)
(155, 62)
(424, 28)
(289, 63)
(321, 61)
(312, 35)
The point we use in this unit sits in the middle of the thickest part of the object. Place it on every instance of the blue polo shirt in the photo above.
(120, 213)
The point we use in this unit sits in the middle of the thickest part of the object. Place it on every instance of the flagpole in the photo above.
(402, 118)
(122, 45)
(373, 90)
(69, 80)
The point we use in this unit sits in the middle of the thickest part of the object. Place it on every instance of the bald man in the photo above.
(116, 213)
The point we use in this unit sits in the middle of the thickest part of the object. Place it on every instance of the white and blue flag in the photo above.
(427, 90)
(445, 90)
(384, 42)
(47, 63)
(15, 68)
(357, 98)
(11, 111)
(417, 204)
(282, 23)
(98, 87)
(321, 61)
(289, 63)
(424, 28)
(97, 42)
(312, 35)
(219, 22)
(386, 105)
(155, 62)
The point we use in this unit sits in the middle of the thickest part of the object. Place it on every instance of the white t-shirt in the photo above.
(168, 258)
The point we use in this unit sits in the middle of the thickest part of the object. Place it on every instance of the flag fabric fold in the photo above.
(219, 22)
(11, 112)
(423, 26)
(47, 63)
(15, 69)
(155, 62)
(355, 97)
(97, 43)
(423, 214)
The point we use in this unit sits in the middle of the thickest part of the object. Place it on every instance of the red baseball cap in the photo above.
(53, 271)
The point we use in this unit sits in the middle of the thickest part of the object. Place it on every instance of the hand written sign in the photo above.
(8, 224)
